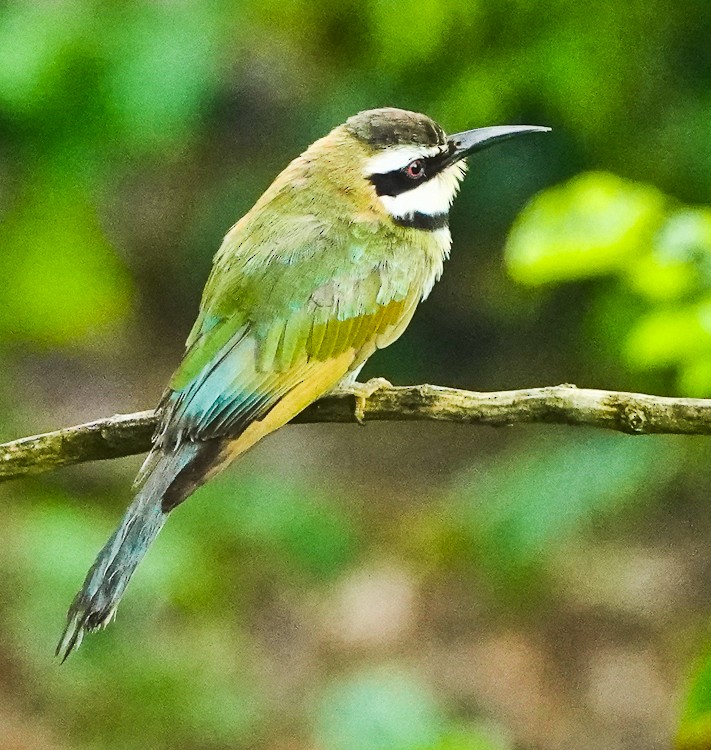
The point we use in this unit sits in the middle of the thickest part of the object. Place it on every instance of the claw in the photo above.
(362, 392)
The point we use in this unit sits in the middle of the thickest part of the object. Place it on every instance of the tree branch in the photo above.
(632, 413)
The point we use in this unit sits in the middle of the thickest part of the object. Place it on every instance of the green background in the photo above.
(397, 587)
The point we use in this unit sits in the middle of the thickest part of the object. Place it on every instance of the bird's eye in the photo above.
(415, 169)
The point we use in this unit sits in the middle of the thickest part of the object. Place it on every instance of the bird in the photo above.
(326, 268)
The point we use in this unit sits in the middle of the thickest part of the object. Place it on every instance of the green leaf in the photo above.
(680, 257)
(685, 235)
(668, 337)
(590, 226)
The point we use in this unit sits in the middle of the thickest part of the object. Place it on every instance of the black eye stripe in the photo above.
(398, 182)
(394, 183)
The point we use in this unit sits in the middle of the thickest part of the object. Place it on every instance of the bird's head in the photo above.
(412, 166)
(380, 164)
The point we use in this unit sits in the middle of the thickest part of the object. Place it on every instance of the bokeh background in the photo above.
(395, 587)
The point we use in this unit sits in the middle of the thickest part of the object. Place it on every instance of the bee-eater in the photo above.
(326, 268)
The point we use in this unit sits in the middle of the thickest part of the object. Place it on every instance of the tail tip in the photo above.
(80, 620)
(71, 637)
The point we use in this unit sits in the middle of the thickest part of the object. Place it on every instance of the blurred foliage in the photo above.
(132, 135)
(658, 252)
(378, 711)
(67, 283)
(695, 725)
(508, 514)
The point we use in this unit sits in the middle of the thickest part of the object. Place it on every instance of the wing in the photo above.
(278, 327)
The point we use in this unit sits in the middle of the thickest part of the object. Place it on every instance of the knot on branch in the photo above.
(633, 419)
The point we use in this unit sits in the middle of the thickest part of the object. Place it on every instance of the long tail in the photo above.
(172, 478)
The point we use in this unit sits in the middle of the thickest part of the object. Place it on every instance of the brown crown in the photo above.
(381, 128)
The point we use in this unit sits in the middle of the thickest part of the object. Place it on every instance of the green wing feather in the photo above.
(276, 306)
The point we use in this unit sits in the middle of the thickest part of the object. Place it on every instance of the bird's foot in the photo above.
(362, 392)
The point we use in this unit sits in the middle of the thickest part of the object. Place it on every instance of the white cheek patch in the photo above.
(432, 197)
(398, 157)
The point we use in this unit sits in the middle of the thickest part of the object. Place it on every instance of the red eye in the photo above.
(415, 169)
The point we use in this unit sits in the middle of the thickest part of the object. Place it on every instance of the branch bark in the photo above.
(632, 413)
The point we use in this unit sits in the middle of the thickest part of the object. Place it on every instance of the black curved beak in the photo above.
(463, 144)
